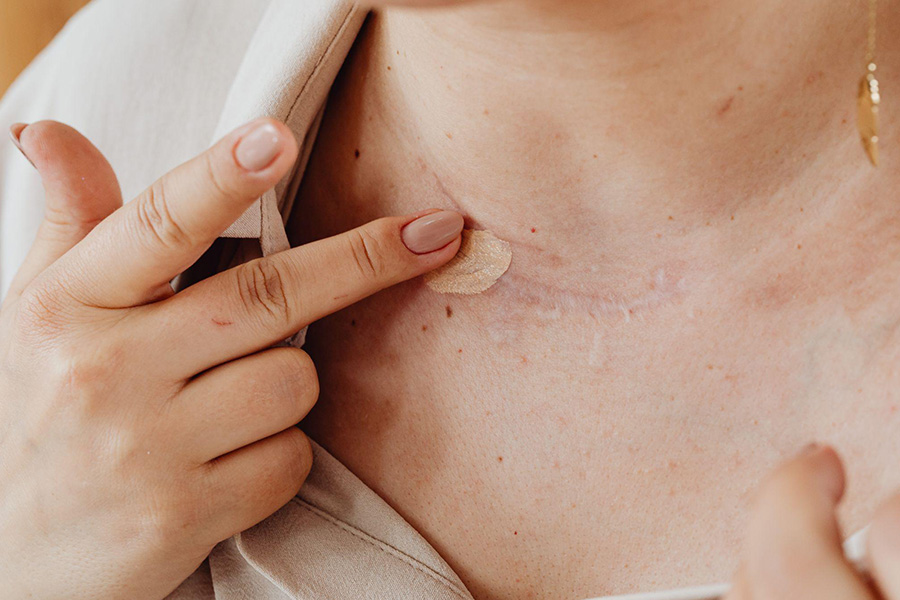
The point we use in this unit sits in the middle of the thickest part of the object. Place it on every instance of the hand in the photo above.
(794, 545)
(140, 427)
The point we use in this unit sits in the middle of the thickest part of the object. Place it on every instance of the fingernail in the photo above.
(828, 469)
(15, 133)
(259, 147)
(432, 232)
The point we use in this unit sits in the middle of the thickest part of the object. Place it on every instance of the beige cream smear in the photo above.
(482, 259)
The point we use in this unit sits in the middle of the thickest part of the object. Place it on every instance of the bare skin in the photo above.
(708, 285)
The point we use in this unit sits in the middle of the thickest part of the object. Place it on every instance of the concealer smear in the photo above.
(482, 259)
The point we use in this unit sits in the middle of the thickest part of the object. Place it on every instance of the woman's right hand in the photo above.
(140, 427)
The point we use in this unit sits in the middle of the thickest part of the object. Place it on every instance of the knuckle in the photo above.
(261, 286)
(297, 373)
(369, 254)
(299, 366)
(154, 216)
(298, 456)
(37, 313)
(82, 377)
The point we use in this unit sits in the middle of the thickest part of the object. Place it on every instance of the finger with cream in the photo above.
(481, 261)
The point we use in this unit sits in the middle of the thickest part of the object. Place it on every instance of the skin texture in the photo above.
(703, 281)
(159, 450)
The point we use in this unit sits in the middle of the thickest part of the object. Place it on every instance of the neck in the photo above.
(619, 131)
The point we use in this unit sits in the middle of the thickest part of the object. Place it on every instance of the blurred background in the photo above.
(26, 26)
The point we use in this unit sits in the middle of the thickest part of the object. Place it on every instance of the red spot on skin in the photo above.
(740, 88)
(424, 327)
(813, 77)
(533, 230)
(725, 106)
(515, 533)
(499, 459)
(524, 359)
(487, 112)
(222, 323)
(459, 351)
(449, 135)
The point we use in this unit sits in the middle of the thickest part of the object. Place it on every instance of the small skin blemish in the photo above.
(671, 218)
(353, 323)
(533, 230)
(449, 135)
(799, 246)
(356, 153)
(515, 533)
(222, 323)
(499, 459)
(725, 106)
(459, 351)
(389, 67)
(424, 327)
(449, 311)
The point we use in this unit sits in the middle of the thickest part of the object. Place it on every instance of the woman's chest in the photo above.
(546, 452)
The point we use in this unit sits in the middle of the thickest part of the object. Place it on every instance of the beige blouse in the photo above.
(153, 83)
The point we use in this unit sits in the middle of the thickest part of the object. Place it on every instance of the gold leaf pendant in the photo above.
(867, 114)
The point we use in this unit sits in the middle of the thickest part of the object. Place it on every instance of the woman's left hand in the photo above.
(794, 549)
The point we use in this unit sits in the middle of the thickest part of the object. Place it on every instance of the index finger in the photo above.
(126, 259)
(261, 302)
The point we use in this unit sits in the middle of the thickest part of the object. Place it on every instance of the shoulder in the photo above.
(145, 80)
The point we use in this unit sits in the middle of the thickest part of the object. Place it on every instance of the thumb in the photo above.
(794, 543)
(80, 190)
